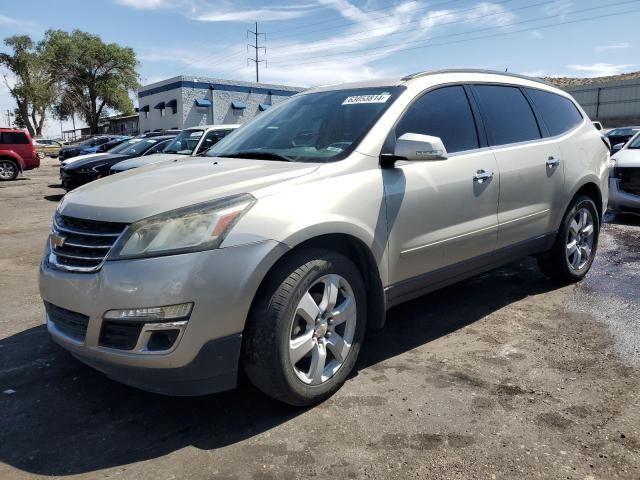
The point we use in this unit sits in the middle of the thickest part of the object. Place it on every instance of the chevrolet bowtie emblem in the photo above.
(57, 240)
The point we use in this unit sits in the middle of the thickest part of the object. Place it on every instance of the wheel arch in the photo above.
(590, 188)
(9, 155)
(357, 251)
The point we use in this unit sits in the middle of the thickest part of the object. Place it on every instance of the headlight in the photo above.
(190, 229)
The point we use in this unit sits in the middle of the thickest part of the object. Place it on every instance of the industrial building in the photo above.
(613, 101)
(186, 101)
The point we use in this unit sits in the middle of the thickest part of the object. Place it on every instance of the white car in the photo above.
(190, 143)
(624, 181)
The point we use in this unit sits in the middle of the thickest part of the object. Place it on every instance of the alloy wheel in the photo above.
(580, 238)
(322, 329)
(7, 170)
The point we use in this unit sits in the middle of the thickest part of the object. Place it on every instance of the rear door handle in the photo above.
(553, 162)
(482, 176)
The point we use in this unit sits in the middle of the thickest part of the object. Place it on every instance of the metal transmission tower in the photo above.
(256, 46)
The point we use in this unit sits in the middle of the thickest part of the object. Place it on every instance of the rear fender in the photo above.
(13, 156)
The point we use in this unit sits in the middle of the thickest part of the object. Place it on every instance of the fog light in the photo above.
(162, 340)
(152, 314)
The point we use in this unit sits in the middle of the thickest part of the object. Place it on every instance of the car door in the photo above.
(531, 170)
(442, 214)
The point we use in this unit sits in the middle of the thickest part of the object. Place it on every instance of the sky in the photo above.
(316, 42)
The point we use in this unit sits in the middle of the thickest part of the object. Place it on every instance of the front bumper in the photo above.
(74, 180)
(221, 284)
(621, 201)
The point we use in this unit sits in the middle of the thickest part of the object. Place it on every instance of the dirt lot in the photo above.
(502, 376)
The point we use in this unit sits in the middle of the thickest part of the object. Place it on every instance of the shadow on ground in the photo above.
(65, 418)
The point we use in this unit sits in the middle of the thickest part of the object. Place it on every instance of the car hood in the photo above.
(147, 160)
(629, 157)
(80, 158)
(88, 161)
(140, 193)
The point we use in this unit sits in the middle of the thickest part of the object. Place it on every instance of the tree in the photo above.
(33, 91)
(92, 76)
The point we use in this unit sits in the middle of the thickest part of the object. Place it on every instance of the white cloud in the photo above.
(377, 33)
(146, 4)
(558, 9)
(535, 35)
(615, 46)
(262, 14)
(223, 10)
(600, 69)
(16, 22)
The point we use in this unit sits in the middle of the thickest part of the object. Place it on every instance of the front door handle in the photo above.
(482, 176)
(553, 162)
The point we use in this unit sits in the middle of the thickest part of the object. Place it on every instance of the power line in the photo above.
(444, 24)
(256, 48)
(388, 7)
(296, 62)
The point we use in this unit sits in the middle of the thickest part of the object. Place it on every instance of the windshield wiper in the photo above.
(258, 155)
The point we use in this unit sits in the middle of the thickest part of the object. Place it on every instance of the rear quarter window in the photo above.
(13, 138)
(558, 113)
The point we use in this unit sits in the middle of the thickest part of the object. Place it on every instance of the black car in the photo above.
(88, 146)
(84, 171)
(621, 135)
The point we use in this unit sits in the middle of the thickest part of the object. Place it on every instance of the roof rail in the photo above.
(474, 70)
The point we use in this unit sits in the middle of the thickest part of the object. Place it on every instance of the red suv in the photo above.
(17, 153)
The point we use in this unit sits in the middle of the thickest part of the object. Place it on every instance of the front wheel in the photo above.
(306, 327)
(575, 247)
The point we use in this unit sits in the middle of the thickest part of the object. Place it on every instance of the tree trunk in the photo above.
(24, 113)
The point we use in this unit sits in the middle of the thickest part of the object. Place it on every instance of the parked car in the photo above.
(277, 250)
(90, 168)
(88, 146)
(619, 136)
(190, 142)
(46, 147)
(624, 183)
(157, 133)
(106, 147)
(17, 153)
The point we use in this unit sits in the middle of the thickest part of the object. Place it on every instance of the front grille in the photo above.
(629, 179)
(70, 323)
(120, 335)
(82, 245)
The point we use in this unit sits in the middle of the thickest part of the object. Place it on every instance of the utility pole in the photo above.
(9, 115)
(256, 46)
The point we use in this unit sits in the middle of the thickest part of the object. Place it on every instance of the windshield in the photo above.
(313, 127)
(135, 146)
(184, 143)
(623, 131)
(635, 142)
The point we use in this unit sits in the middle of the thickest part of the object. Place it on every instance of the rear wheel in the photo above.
(306, 327)
(8, 170)
(575, 247)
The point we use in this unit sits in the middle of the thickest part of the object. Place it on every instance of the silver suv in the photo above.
(278, 250)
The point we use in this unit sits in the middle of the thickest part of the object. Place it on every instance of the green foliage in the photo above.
(92, 76)
(34, 90)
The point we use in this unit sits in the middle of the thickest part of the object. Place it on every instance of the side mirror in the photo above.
(617, 146)
(419, 148)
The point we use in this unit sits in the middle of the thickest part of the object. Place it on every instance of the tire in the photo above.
(9, 170)
(569, 265)
(283, 325)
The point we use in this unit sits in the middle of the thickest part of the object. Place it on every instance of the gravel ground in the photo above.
(501, 376)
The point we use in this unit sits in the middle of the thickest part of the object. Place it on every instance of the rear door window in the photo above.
(558, 113)
(13, 138)
(443, 113)
(508, 115)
